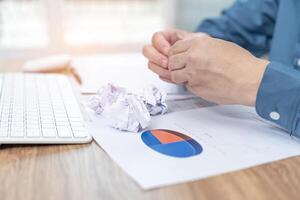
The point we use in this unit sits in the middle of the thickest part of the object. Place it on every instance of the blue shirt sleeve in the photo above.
(278, 97)
(248, 23)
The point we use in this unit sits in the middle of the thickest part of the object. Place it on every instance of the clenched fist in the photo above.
(157, 52)
(216, 70)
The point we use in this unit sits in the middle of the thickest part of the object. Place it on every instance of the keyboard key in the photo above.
(32, 126)
(62, 123)
(17, 119)
(49, 132)
(17, 124)
(4, 131)
(75, 119)
(47, 121)
(32, 123)
(77, 124)
(33, 133)
(47, 117)
(52, 125)
(16, 128)
(61, 119)
(64, 132)
(4, 124)
(80, 133)
(4, 120)
(17, 133)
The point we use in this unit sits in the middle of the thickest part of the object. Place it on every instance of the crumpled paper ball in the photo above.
(128, 114)
(106, 96)
(126, 111)
(155, 100)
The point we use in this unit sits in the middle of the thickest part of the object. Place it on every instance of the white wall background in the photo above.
(32, 28)
(188, 13)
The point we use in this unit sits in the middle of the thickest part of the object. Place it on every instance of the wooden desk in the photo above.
(63, 172)
(85, 172)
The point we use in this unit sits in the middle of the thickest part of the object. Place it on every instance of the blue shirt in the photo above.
(273, 27)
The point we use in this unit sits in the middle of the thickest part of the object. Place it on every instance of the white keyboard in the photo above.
(39, 108)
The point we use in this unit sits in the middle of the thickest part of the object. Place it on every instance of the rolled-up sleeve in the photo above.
(278, 97)
(248, 23)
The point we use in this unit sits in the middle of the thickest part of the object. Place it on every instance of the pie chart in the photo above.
(171, 143)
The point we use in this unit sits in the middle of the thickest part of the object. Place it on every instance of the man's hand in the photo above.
(216, 70)
(157, 52)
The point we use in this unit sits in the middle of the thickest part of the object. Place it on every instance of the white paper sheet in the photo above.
(127, 70)
(232, 137)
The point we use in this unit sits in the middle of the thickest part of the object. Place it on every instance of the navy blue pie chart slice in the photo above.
(171, 143)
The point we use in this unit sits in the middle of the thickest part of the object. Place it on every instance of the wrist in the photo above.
(254, 79)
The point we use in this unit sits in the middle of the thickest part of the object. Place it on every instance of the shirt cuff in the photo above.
(278, 97)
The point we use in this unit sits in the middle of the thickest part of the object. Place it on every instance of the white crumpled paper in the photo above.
(126, 111)
(105, 97)
(155, 100)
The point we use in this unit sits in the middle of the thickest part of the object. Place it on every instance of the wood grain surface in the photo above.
(62, 172)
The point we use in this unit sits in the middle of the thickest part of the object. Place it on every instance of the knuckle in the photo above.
(171, 51)
(155, 35)
(200, 40)
(171, 63)
(161, 61)
(145, 50)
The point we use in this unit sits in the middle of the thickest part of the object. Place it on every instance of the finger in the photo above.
(154, 56)
(179, 76)
(164, 73)
(177, 61)
(180, 47)
(173, 35)
(166, 80)
(161, 43)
